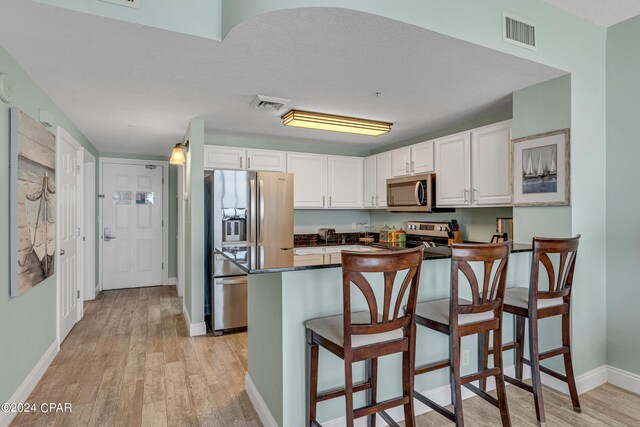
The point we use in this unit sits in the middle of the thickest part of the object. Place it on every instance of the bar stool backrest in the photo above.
(490, 296)
(560, 281)
(389, 263)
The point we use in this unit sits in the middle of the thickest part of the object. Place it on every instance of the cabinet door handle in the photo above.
(248, 162)
(372, 202)
(329, 200)
(377, 203)
(466, 198)
(323, 199)
(240, 162)
(475, 195)
(413, 166)
(407, 167)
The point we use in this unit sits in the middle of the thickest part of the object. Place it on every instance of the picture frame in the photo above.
(541, 169)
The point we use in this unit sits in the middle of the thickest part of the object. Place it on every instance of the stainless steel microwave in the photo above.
(411, 193)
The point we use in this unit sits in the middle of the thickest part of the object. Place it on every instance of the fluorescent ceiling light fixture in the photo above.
(320, 121)
(177, 155)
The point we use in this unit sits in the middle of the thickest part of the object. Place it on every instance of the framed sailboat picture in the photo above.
(33, 202)
(541, 169)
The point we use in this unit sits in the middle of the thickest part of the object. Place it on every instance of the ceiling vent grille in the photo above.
(128, 3)
(262, 102)
(519, 32)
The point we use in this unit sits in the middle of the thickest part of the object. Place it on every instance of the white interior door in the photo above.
(132, 226)
(68, 177)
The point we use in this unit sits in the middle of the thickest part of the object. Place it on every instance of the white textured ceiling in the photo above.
(106, 75)
(602, 12)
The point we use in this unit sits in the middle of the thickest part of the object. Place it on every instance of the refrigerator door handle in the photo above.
(252, 213)
(261, 208)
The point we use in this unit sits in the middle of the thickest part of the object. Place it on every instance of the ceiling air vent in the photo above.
(262, 102)
(128, 3)
(519, 32)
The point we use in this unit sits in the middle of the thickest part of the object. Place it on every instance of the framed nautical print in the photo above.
(33, 202)
(541, 169)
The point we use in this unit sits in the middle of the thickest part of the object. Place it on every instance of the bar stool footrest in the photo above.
(547, 371)
(339, 392)
(519, 383)
(433, 405)
(380, 406)
(483, 395)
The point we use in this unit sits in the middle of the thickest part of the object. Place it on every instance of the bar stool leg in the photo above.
(535, 370)
(372, 375)
(456, 389)
(312, 373)
(519, 330)
(348, 390)
(408, 369)
(500, 385)
(568, 365)
(483, 357)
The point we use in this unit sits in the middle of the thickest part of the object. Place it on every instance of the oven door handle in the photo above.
(417, 193)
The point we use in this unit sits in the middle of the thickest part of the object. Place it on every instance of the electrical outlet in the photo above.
(465, 357)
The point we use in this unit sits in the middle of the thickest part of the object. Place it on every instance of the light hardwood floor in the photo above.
(130, 362)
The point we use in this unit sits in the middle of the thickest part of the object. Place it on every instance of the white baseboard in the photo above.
(258, 403)
(30, 382)
(623, 379)
(172, 281)
(195, 329)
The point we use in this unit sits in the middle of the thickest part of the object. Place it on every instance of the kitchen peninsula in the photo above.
(283, 295)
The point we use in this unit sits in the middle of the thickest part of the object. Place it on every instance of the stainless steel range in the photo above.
(429, 234)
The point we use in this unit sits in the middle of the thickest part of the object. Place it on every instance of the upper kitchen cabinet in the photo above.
(310, 179)
(383, 172)
(412, 160)
(370, 182)
(422, 158)
(473, 167)
(453, 169)
(490, 148)
(377, 169)
(401, 162)
(216, 157)
(266, 160)
(345, 178)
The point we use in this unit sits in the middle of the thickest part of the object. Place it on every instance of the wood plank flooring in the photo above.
(129, 362)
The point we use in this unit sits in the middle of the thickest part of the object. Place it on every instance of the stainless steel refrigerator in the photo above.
(241, 209)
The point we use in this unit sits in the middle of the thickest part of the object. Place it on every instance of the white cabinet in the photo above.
(383, 172)
(370, 182)
(345, 177)
(490, 151)
(310, 179)
(453, 169)
(306, 260)
(422, 158)
(412, 160)
(216, 157)
(266, 160)
(473, 167)
(401, 162)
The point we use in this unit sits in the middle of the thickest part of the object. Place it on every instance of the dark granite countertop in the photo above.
(266, 259)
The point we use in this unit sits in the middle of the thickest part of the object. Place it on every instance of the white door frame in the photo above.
(88, 289)
(165, 209)
(60, 131)
(181, 231)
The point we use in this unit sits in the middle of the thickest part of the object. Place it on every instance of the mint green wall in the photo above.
(282, 144)
(28, 321)
(194, 227)
(542, 108)
(623, 201)
(195, 17)
(582, 55)
(173, 207)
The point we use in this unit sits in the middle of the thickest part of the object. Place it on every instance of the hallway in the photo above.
(130, 362)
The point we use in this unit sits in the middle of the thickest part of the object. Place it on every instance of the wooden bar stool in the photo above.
(367, 335)
(533, 304)
(458, 317)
